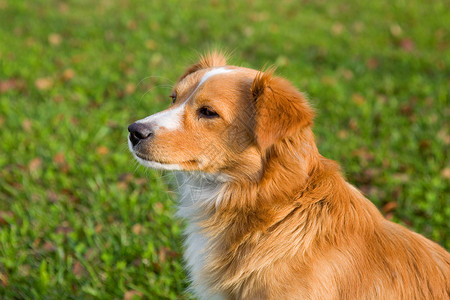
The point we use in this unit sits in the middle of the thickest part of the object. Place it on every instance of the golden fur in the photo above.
(287, 224)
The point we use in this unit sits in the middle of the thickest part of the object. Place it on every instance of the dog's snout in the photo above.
(139, 131)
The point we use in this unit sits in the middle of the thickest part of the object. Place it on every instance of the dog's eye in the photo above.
(174, 97)
(207, 112)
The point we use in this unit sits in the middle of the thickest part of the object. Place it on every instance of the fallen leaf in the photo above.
(44, 83)
(130, 88)
(446, 173)
(406, 109)
(49, 246)
(98, 228)
(407, 45)
(4, 280)
(54, 39)
(34, 164)
(165, 252)
(26, 125)
(59, 158)
(347, 74)
(79, 270)
(102, 150)
(337, 28)
(132, 295)
(11, 84)
(68, 74)
(122, 185)
(424, 145)
(372, 63)
(358, 99)
(158, 206)
(389, 207)
(137, 229)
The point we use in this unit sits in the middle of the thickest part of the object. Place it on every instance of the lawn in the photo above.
(79, 219)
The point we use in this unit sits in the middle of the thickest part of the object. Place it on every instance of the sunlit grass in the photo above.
(79, 219)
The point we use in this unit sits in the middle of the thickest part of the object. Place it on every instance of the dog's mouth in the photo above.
(147, 161)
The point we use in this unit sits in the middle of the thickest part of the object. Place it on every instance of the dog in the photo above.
(267, 216)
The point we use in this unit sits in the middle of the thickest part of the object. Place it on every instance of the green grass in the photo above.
(80, 220)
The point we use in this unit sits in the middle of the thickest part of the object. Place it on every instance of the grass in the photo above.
(80, 220)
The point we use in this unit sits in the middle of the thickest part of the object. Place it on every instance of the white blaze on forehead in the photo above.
(211, 73)
(171, 119)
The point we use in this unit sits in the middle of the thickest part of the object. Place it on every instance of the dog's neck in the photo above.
(228, 217)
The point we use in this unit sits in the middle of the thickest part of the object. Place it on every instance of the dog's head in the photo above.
(222, 120)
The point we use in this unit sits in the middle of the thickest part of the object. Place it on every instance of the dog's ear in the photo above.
(281, 110)
(208, 60)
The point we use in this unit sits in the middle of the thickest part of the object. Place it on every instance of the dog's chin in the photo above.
(151, 163)
(157, 165)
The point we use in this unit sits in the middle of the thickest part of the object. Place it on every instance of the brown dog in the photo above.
(268, 216)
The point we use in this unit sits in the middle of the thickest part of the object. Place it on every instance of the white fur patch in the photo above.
(213, 72)
(169, 119)
(197, 190)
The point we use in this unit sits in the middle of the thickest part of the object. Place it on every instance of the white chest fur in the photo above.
(197, 191)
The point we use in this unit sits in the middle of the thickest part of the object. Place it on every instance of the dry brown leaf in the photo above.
(78, 269)
(35, 164)
(130, 88)
(49, 246)
(137, 229)
(372, 63)
(4, 280)
(446, 173)
(59, 158)
(98, 228)
(358, 99)
(68, 74)
(407, 45)
(43, 83)
(11, 84)
(122, 185)
(337, 28)
(164, 253)
(389, 207)
(54, 39)
(102, 150)
(26, 125)
(130, 295)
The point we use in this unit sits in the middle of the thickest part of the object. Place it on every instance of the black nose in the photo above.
(139, 131)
